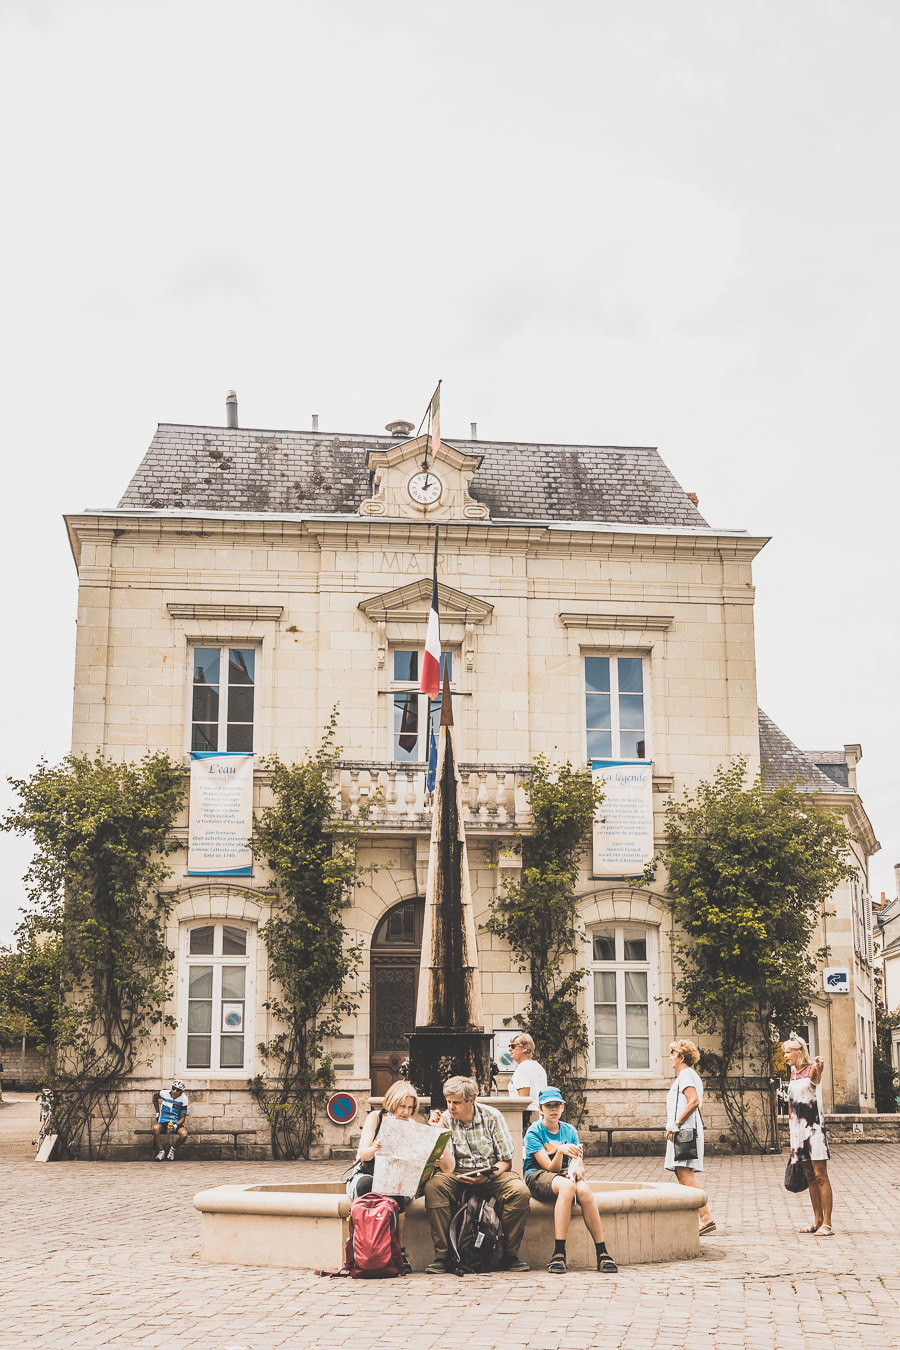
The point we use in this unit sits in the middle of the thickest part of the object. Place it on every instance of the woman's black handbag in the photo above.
(684, 1143)
(795, 1178)
(685, 1146)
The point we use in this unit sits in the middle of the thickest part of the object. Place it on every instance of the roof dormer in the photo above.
(406, 484)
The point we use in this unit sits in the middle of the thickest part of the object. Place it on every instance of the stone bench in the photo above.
(194, 1132)
(610, 1130)
(305, 1227)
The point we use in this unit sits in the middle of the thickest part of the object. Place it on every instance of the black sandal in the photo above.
(557, 1265)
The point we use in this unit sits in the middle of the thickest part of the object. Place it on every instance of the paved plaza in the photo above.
(107, 1254)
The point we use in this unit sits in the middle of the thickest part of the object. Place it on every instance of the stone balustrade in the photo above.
(395, 794)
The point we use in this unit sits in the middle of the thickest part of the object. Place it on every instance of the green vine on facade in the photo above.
(101, 831)
(750, 873)
(886, 1077)
(538, 916)
(314, 861)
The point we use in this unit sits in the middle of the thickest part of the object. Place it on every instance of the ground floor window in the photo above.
(216, 1001)
(621, 996)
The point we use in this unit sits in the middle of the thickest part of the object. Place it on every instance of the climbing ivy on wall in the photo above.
(538, 916)
(101, 833)
(750, 872)
(314, 862)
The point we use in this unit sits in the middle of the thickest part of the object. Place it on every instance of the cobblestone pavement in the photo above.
(107, 1254)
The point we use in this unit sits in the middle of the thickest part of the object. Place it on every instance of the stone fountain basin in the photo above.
(305, 1226)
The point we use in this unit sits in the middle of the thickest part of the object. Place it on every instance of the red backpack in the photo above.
(372, 1250)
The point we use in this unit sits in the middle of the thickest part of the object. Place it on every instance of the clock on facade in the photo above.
(425, 488)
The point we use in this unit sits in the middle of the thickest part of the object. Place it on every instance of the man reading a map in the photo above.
(483, 1148)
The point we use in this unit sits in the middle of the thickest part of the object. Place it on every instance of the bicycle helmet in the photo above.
(177, 1083)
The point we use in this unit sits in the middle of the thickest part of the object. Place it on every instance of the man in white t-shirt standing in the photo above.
(529, 1078)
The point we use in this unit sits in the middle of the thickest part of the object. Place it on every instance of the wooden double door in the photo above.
(394, 985)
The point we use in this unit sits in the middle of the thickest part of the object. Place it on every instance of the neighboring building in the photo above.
(251, 580)
(842, 1027)
(887, 958)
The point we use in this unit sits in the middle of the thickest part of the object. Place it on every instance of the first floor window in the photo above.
(413, 714)
(615, 712)
(217, 976)
(620, 977)
(222, 698)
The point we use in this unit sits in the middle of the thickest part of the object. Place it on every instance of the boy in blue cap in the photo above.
(554, 1173)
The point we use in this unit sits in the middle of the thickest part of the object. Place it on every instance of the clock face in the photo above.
(425, 488)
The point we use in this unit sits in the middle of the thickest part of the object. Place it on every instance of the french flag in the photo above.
(431, 661)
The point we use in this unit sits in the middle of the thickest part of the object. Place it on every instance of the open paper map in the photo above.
(407, 1156)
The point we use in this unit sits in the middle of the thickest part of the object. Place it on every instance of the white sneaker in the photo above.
(160, 1155)
(171, 1154)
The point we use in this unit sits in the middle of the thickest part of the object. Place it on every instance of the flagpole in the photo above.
(427, 413)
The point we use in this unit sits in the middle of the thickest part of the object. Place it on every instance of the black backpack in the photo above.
(477, 1243)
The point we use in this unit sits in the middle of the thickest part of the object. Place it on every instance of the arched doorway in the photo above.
(396, 948)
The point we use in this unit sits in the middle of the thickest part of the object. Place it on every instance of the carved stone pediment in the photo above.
(410, 604)
(398, 478)
(401, 615)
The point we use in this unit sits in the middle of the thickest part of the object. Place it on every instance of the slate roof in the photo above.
(225, 469)
(783, 762)
(891, 911)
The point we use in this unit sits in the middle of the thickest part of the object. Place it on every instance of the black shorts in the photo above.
(169, 1126)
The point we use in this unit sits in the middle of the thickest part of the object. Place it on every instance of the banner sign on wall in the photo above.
(221, 815)
(623, 823)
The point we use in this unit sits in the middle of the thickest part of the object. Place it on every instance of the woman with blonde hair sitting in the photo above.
(402, 1102)
(809, 1147)
(683, 1113)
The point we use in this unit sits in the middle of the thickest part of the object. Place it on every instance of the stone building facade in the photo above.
(587, 608)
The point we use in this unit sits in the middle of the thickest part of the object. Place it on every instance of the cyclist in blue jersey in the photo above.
(171, 1112)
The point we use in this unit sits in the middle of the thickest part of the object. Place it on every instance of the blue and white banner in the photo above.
(221, 815)
(623, 823)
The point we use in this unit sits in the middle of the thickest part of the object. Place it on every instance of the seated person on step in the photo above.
(554, 1173)
(171, 1112)
(483, 1149)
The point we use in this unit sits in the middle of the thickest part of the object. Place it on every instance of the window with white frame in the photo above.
(615, 707)
(413, 714)
(222, 698)
(622, 990)
(216, 996)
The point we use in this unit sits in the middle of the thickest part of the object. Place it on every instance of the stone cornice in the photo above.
(619, 541)
(226, 611)
(643, 622)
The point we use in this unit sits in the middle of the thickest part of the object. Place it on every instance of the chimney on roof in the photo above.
(897, 878)
(315, 418)
(231, 409)
(474, 429)
(692, 497)
(400, 430)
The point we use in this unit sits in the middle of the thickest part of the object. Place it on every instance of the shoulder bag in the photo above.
(684, 1144)
(795, 1178)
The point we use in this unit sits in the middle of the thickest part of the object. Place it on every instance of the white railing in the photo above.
(395, 794)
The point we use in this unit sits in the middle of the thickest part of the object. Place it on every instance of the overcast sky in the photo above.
(659, 223)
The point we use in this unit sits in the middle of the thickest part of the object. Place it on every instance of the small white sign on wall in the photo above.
(232, 1017)
(502, 1054)
(836, 980)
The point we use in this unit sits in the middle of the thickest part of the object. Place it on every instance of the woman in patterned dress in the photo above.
(809, 1146)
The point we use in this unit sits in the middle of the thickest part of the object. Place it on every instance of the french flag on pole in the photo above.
(431, 661)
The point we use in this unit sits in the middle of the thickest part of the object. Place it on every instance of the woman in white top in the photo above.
(683, 1112)
(529, 1078)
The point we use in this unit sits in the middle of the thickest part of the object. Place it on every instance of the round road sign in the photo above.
(342, 1108)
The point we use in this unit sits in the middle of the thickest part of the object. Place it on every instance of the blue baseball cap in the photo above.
(551, 1095)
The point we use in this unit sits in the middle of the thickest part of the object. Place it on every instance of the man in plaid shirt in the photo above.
(483, 1148)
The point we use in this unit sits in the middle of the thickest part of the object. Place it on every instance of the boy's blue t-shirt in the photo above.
(538, 1136)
